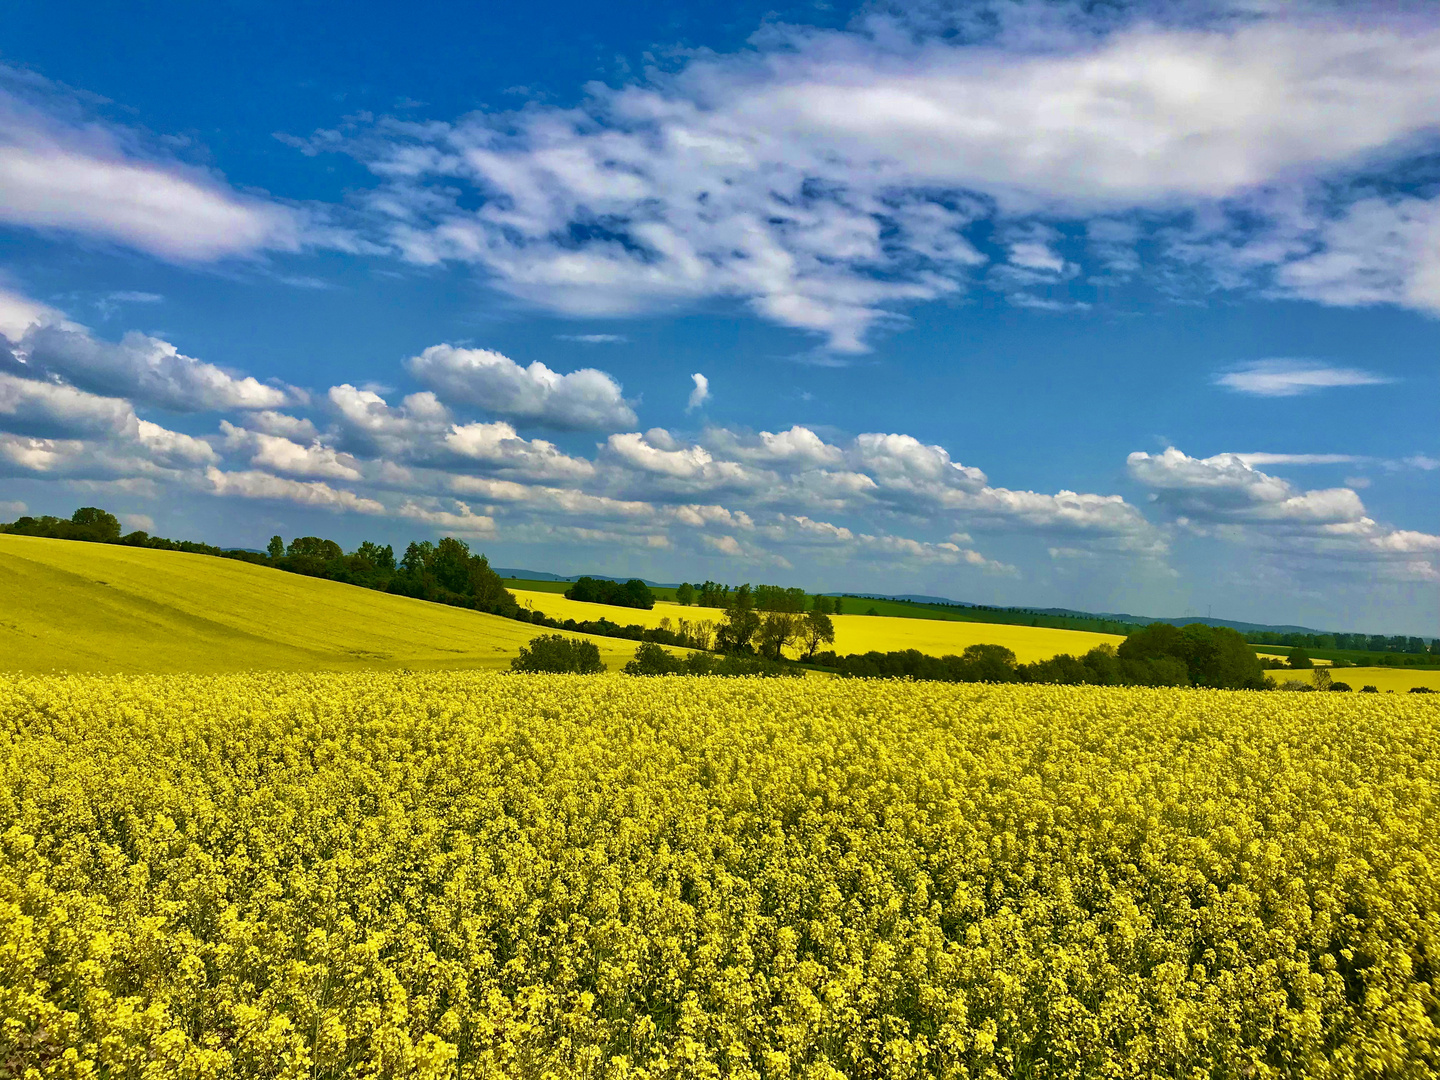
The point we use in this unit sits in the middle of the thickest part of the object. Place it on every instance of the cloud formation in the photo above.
(700, 394)
(59, 172)
(1228, 497)
(1289, 378)
(830, 178)
(583, 400)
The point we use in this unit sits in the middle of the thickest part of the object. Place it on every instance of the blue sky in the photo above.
(1010, 302)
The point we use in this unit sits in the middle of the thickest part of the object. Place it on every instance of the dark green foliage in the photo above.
(97, 525)
(560, 654)
(817, 630)
(276, 548)
(652, 659)
(1421, 690)
(775, 598)
(632, 594)
(685, 594)
(1340, 687)
(88, 523)
(313, 547)
(822, 604)
(1301, 659)
(1214, 656)
(741, 624)
(1369, 688)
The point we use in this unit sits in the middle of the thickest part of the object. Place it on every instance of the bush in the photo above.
(1369, 688)
(1343, 687)
(558, 653)
(1421, 690)
(652, 659)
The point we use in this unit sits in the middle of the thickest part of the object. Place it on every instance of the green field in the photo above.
(74, 606)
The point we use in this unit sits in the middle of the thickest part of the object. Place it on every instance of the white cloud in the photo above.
(1228, 497)
(1288, 378)
(277, 423)
(1298, 459)
(144, 369)
(500, 446)
(12, 509)
(279, 454)
(260, 485)
(586, 399)
(89, 178)
(19, 313)
(827, 177)
(173, 447)
(1422, 461)
(700, 394)
(594, 339)
(369, 425)
(462, 521)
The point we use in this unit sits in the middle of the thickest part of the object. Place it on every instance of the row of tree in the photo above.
(1158, 655)
(1397, 643)
(758, 597)
(632, 594)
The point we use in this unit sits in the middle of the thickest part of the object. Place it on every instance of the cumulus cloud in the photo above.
(499, 446)
(828, 178)
(369, 425)
(60, 172)
(583, 400)
(253, 484)
(280, 454)
(1289, 378)
(700, 394)
(1229, 497)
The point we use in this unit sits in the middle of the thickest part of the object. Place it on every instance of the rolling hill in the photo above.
(73, 606)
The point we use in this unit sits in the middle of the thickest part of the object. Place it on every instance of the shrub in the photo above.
(1369, 688)
(1343, 687)
(652, 659)
(558, 653)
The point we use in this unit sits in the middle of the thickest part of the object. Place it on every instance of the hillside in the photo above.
(73, 606)
(853, 633)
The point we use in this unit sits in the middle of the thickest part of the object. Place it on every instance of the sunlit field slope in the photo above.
(486, 875)
(857, 633)
(72, 606)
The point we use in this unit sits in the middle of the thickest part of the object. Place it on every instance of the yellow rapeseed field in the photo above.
(73, 606)
(1396, 679)
(481, 875)
(856, 633)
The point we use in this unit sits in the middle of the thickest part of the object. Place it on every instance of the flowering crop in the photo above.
(855, 633)
(484, 875)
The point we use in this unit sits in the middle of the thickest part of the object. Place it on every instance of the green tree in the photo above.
(558, 653)
(653, 659)
(740, 624)
(314, 547)
(818, 630)
(685, 594)
(381, 558)
(276, 548)
(821, 604)
(96, 524)
(1299, 658)
(777, 630)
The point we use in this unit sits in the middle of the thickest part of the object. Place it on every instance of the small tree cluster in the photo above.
(559, 654)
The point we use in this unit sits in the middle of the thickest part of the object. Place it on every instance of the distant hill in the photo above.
(1108, 616)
